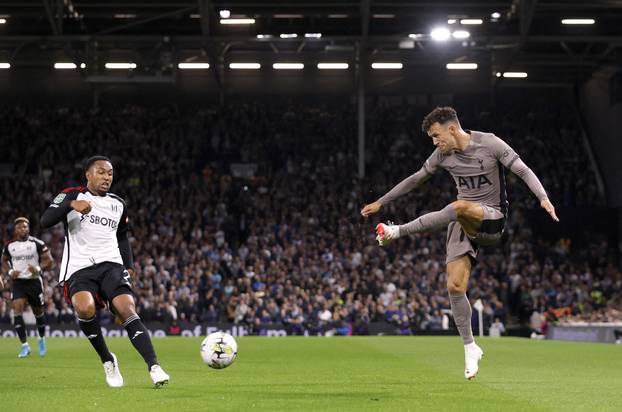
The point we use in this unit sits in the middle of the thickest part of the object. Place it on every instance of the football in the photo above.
(219, 350)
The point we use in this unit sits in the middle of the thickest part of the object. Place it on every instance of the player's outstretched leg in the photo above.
(458, 272)
(139, 337)
(84, 305)
(432, 221)
(20, 327)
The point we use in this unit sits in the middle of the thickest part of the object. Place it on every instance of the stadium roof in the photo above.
(520, 35)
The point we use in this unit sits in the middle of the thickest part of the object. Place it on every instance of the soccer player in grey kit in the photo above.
(475, 160)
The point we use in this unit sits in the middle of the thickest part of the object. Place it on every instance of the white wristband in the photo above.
(38, 268)
(11, 272)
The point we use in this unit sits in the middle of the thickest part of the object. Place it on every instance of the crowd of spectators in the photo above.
(249, 213)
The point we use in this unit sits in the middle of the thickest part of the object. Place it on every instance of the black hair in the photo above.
(441, 115)
(89, 162)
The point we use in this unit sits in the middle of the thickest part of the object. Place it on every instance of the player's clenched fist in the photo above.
(81, 206)
(371, 208)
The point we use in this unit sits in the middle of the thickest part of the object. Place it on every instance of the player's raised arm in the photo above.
(62, 204)
(411, 182)
(510, 159)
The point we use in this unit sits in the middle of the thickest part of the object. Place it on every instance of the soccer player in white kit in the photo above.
(476, 161)
(24, 258)
(97, 263)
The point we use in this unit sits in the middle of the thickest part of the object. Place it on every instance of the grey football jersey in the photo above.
(477, 172)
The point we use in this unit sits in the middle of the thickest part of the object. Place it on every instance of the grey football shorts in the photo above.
(459, 244)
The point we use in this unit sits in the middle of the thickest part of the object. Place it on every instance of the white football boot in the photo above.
(472, 355)
(113, 374)
(386, 233)
(158, 376)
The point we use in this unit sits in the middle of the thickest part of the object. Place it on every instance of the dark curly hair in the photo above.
(441, 115)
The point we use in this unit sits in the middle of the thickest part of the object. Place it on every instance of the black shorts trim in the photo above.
(492, 227)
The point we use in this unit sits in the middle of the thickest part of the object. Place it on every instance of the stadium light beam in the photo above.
(288, 35)
(515, 75)
(237, 21)
(288, 66)
(496, 15)
(313, 35)
(5, 65)
(390, 66)
(461, 66)
(333, 66)
(451, 21)
(578, 21)
(248, 66)
(193, 66)
(440, 34)
(2, 21)
(471, 21)
(225, 14)
(118, 66)
(63, 66)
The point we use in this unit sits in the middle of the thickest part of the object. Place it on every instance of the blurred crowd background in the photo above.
(249, 213)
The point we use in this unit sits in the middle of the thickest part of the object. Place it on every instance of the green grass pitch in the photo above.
(320, 374)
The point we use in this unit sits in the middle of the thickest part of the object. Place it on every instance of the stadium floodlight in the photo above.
(2, 21)
(515, 75)
(578, 21)
(193, 66)
(461, 34)
(461, 66)
(195, 16)
(288, 35)
(496, 15)
(61, 66)
(471, 21)
(415, 35)
(498, 74)
(250, 66)
(83, 65)
(440, 34)
(333, 66)
(120, 65)
(451, 21)
(225, 14)
(237, 21)
(379, 66)
(5, 65)
(288, 66)
(264, 36)
(313, 35)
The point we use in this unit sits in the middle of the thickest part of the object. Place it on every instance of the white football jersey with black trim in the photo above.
(25, 253)
(92, 238)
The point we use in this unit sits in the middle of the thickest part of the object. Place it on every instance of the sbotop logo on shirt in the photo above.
(97, 220)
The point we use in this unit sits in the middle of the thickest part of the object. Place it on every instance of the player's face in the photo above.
(22, 230)
(443, 136)
(99, 176)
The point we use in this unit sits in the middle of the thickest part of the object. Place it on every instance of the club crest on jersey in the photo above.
(59, 198)
(473, 182)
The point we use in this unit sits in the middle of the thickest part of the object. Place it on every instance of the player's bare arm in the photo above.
(548, 206)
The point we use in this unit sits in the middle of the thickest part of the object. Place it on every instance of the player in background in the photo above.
(24, 258)
(97, 263)
(476, 161)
